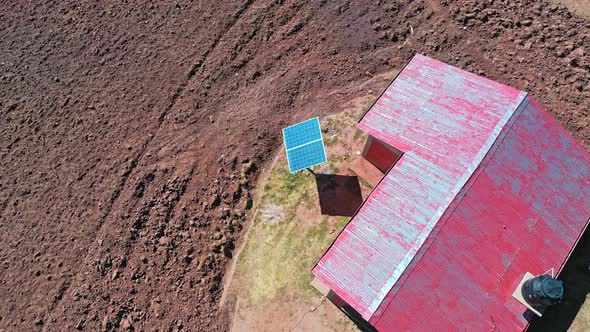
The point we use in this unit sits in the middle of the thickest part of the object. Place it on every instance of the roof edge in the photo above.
(387, 87)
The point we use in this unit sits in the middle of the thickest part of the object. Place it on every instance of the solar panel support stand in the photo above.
(309, 170)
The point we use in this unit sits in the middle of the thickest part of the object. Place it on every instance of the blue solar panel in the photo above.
(306, 156)
(304, 145)
(301, 133)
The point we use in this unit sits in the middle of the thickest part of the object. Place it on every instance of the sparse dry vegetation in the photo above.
(288, 233)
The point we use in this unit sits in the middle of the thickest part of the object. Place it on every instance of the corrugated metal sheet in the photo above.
(523, 211)
(444, 120)
(489, 187)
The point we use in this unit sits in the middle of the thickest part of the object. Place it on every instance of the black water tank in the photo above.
(542, 291)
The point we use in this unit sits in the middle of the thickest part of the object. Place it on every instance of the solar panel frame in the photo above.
(304, 145)
(306, 156)
(302, 133)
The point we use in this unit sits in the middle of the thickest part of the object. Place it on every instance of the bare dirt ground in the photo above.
(132, 133)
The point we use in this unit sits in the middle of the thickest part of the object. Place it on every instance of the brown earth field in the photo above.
(132, 132)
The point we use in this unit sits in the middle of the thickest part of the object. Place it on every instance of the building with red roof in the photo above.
(481, 186)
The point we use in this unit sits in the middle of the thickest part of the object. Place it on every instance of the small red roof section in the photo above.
(489, 187)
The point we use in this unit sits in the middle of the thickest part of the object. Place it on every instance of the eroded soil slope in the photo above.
(131, 133)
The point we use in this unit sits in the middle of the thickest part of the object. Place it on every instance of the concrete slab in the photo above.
(365, 170)
(320, 286)
(518, 294)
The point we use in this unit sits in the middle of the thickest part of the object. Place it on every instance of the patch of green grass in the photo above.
(331, 141)
(278, 258)
(391, 75)
(338, 125)
(357, 134)
(582, 320)
(368, 103)
(365, 183)
(341, 221)
(281, 184)
(320, 231)
(333, 168)
(336, 157)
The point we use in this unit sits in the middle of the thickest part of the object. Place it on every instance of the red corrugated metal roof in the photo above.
(522, 211)
(442, 233)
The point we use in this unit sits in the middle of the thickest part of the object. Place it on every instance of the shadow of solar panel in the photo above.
(304, 145)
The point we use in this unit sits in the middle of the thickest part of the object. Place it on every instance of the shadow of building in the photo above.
(576, 281)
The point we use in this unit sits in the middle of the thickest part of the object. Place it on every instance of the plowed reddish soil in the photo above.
(132, 132)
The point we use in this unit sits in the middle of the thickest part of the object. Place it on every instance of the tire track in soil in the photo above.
(195, 69)
(6, 201)
(168, 215)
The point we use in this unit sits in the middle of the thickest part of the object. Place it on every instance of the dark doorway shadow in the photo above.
(358, 320)
(340, 195)
(576, 281)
